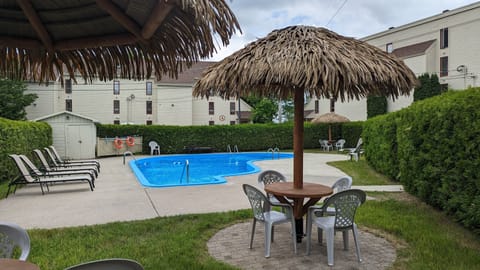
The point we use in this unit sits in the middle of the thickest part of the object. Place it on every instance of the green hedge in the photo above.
(248, 137)
(380, 137)
(20, 137)
(438, 151)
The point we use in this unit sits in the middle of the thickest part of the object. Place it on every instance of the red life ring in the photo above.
(118, 143)
(130, 141)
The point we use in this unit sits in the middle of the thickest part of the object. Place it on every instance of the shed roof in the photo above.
(67, 113)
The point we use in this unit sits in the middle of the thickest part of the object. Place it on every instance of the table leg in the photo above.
(299, 229)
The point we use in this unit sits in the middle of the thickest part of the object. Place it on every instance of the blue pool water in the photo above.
(203, 169)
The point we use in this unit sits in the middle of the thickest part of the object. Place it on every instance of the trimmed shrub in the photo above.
(20, 137)
(376, 105)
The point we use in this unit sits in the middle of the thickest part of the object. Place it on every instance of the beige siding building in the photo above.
(446, 44)
(165, 102)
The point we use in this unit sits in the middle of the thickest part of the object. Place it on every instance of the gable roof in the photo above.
(413, 50)
(67, 113)
(188, 76)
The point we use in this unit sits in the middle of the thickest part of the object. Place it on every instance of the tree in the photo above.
(13, 100)
(429, 87)
(264, 109)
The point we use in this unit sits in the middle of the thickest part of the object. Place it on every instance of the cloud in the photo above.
(356, 19)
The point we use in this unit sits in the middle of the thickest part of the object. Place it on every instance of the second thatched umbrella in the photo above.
(330, 118)
(302, 59)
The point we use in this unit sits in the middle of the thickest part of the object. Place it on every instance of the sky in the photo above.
(353, 18)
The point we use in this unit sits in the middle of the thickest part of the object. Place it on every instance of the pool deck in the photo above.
(118, 196)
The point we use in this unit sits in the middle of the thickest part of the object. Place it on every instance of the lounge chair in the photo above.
(55, 164)
(47, 169)
(357, 151)
(59, 159)
(27, 178)
(34, 170)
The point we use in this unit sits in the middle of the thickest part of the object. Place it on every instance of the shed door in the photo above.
(80, 142)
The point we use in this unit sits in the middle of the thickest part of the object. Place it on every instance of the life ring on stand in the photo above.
(118, 143)
(130, 141)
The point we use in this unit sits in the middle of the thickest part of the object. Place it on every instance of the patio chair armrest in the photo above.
(286, 205)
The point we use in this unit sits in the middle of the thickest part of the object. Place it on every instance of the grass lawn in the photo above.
(424, 237)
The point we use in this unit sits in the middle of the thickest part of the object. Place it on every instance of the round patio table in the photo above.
(314, 192)
(14, 264)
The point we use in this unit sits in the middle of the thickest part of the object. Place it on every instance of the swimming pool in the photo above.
(197, 169)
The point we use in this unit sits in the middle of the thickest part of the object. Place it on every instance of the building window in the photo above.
(148, 88)
(116, 122)
(211, 108)
(232, 108)
(149, 107)
(211, 123)
(68, 86)
(149, 122)
(317, 106)
(443, 66)
(332, 105)
(116, 87)
(389, 48)
(68, 105)
(443, 38)
(116, 107)
(232, 123)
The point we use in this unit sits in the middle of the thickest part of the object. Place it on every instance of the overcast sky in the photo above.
(354, 18)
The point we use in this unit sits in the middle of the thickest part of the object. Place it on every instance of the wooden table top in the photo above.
(14, 264)
(309, 190)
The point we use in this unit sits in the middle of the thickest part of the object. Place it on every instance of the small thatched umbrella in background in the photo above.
(104, 39)
(298, 59)
(330, 118)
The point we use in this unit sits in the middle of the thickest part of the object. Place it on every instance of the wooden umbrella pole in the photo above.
(298, 140)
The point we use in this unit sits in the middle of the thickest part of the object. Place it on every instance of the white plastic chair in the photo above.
(261, 206)
(270, 176)
(154, 148)
(339, 144)
(355, 152)
(11, 236)
(108, 264)
(325, 145)
(345, 203)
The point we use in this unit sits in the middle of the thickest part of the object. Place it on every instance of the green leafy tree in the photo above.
(264, 111)
(429, 87)
(13, 100)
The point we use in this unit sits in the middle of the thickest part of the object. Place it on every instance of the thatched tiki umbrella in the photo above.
(298, 59)
(330, 118)
(103, 39)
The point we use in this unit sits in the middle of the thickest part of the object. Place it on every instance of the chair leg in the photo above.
(330, 240)
(309, 232)
(253, 232)
(268, 238)
(345, 240)
(355, 238)
(294, 235)
(320, 236)
(273, 234)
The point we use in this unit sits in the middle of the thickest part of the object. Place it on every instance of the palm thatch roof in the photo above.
(330, 118)
(43, 39)
(314, 60)
(298, 59)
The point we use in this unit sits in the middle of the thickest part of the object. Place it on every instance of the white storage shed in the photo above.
(74, 135)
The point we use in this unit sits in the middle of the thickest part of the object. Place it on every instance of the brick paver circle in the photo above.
(231, 245)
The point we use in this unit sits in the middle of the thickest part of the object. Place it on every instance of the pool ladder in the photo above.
(274, 150)
(128, 153)
(186, 168)
(235, 148)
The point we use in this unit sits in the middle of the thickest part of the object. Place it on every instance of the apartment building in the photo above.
(165, 102)
(445, 44)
